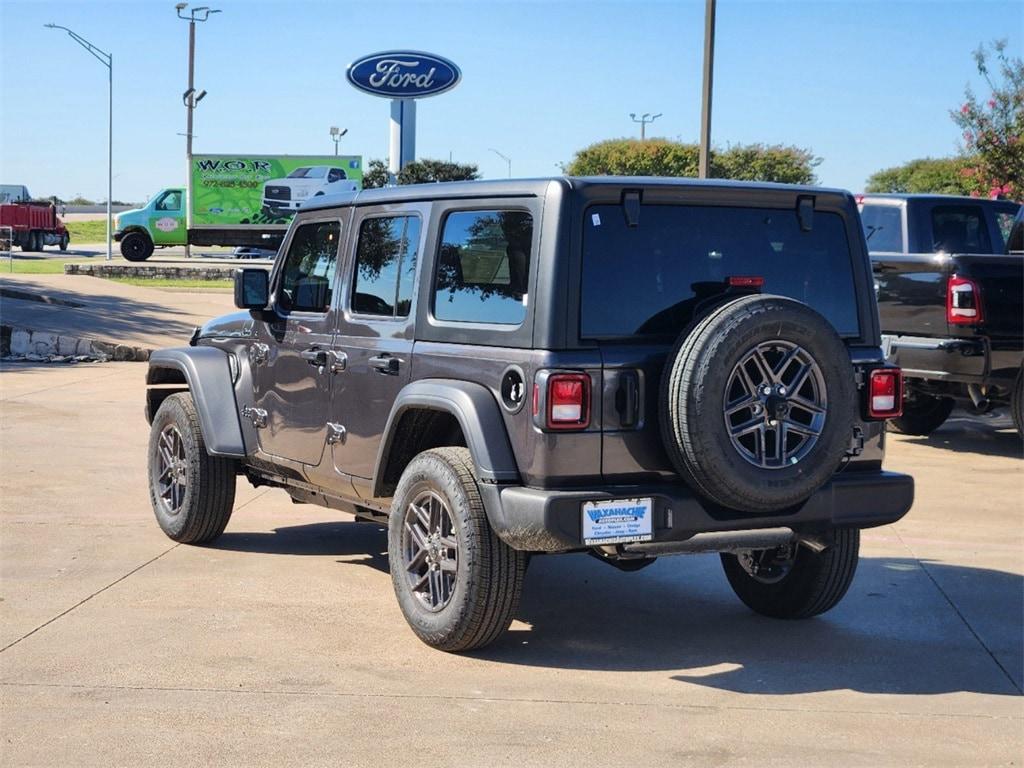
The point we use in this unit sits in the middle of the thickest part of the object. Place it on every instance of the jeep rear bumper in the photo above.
(541, 520)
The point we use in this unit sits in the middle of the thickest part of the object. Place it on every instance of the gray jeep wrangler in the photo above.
(628, 367)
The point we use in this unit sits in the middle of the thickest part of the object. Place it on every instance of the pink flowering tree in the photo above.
(993, 128)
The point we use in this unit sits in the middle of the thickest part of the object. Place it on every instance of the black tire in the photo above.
(208, 495)
(694, 396)
(488, 573)
(64, 242)
(814, 583)
(922, 415)
(136, 246)
(1017, 403)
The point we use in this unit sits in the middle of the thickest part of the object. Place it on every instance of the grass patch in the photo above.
(37, 266)
(91, 231)
(170, 282)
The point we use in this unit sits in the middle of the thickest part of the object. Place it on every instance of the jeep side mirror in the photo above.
(252, 288)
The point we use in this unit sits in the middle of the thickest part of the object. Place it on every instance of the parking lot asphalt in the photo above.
(282, 644)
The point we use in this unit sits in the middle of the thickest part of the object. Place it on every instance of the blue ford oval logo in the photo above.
(403, 74)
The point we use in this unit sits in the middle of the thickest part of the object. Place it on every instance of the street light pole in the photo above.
(705, 105)
(201, 13)
(336, 134)
(506, 159)
(107, 60)
(644, 120)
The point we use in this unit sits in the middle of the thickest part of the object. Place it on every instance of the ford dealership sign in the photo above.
(403, 74)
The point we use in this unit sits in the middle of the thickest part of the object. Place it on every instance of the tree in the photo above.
(423, 171)
(942, 175)
(993, 129)
(661, 157)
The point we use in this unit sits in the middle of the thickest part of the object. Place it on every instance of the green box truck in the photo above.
(234, 200)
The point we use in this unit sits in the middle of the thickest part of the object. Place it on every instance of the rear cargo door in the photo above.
(644, 281)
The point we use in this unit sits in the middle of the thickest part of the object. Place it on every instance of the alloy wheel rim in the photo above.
(172, 469)
(430, 550)
(775, 404)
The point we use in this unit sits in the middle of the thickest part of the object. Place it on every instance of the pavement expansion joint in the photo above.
(84, 600)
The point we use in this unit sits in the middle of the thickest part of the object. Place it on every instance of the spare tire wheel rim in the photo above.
(775, 404)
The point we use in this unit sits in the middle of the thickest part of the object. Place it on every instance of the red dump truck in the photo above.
(33, 225)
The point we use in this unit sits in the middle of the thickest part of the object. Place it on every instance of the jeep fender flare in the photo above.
(475, 409)
(207, 373)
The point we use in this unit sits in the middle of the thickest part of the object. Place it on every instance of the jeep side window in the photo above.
(308, 270)
(170, 201)
(386, 266)
(483, 267)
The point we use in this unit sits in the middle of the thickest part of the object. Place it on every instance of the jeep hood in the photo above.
(233, 325)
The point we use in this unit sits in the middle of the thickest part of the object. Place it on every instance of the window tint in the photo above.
(883, 227)
(171, 201)
(386, 266)
(648, 280)
(1004, 220)
(335, 174)
(959, 229)
(483, 267)
(308, 270)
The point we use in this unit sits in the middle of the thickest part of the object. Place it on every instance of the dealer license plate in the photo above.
(617, 522)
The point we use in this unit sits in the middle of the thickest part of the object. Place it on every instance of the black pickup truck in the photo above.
(950, 286)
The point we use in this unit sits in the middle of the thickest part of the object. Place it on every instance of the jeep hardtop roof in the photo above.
(537, 188)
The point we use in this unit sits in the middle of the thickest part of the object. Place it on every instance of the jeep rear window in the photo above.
(483, 267)
(647, 280)
(386, 266)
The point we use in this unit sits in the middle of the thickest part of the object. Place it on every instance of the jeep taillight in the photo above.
(564, 399)
(885, 393)
(963, 302)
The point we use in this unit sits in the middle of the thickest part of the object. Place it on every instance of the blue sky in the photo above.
(866, 85)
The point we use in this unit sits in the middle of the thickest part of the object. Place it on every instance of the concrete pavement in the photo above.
(93, 308)
(282, 643)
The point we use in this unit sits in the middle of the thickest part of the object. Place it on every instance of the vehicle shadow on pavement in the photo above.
(893, 633)
(972, 436)
(340, 538)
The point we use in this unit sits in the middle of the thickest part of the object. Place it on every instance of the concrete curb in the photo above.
(151, 272)
(41, 346)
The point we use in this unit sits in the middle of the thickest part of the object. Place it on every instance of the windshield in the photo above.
(317, 172)
(648, 280)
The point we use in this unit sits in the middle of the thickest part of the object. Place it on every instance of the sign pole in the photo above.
(403, 135)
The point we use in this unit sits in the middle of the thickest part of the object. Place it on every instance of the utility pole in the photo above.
(107, 59)
(506, 159)
(644, 120)
(336, 134)
(191, 98)
(705, 105)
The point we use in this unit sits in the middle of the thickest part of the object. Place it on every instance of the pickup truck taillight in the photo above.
(885, 393)
(963, 302)
(561, 401)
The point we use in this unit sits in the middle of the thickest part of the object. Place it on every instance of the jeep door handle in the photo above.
(386, 364)
(317, 357)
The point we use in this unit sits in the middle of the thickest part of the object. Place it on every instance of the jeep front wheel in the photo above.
(457, 583)
(794, 582)
(192, 492)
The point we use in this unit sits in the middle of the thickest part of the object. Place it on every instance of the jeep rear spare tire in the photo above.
(757, 404)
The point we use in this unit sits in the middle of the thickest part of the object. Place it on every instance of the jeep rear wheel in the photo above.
(457, 583)
(794, 582)
(192, 492)
(757, 405)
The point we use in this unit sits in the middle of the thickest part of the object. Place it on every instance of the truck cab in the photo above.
(159, 223)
